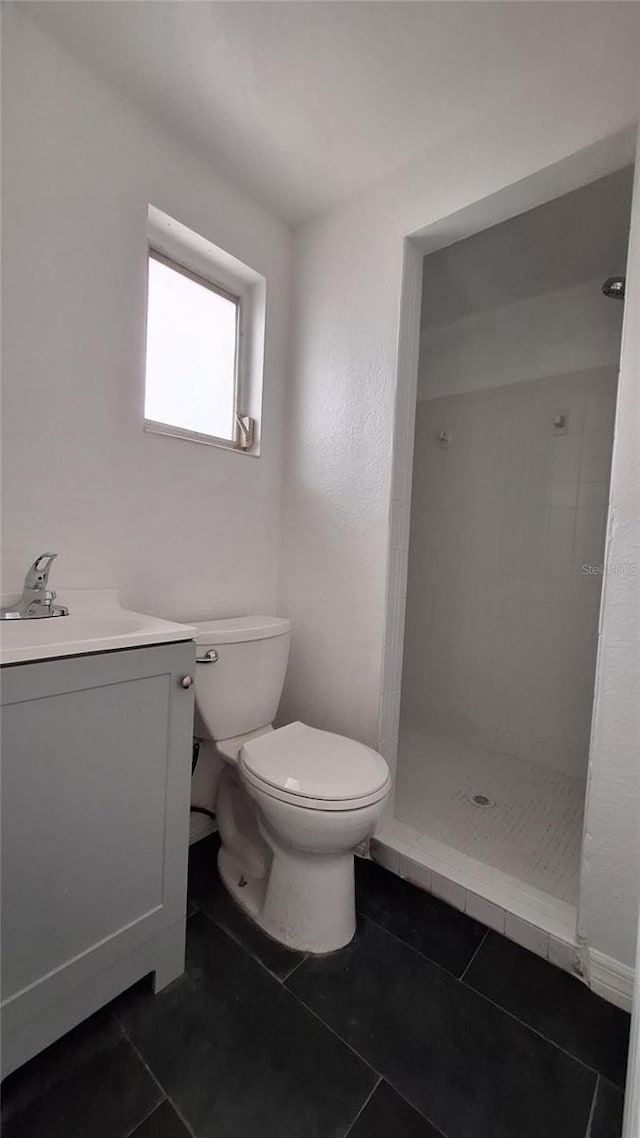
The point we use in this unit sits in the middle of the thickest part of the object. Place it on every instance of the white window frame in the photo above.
(185, 251)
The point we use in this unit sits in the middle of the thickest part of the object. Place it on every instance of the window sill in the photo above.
(155, 428)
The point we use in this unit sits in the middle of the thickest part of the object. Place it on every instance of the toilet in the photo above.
(293, 803)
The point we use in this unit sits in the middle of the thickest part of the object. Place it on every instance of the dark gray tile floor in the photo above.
(237, 1054)
(607, 1111)
(386, 1115)
(557, 1005)
(91, 1082)
(163, 1122)
(441, 933)
(425, 1026)
(461, 1061)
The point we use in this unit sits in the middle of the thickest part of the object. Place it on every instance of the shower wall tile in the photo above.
(593, 494)
(527, 935)
(563, 954)
(493, 916)
(385, 855)
(384, 726)
(449, 891)
(566, 458)
(564, 495)
(596, 469)
(507, 524)
(415, 873)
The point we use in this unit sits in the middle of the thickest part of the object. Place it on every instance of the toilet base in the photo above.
(305, 903)
(291, 867)
(247, 892)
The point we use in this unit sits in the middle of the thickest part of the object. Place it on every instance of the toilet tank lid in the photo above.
(315, 764)
(234, 629)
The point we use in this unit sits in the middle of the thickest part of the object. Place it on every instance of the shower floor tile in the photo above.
(531, 829)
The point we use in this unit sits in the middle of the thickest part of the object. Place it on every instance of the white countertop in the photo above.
(96, 623)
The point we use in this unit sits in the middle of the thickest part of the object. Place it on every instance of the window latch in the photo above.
(246, 431)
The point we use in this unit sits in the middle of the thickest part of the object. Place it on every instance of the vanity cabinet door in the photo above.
(96, 754)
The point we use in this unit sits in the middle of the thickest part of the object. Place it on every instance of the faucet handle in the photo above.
(38, 575)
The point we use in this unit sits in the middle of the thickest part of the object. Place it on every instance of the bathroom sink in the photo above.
(95, 623)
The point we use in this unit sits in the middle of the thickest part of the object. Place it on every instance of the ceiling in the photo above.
(304, 104)
(565, 242)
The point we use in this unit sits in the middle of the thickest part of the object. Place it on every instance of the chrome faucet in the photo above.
(36, 600)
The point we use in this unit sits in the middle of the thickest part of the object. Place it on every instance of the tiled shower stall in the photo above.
(503, 441)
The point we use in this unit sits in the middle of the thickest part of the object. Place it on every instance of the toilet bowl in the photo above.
(293, 803)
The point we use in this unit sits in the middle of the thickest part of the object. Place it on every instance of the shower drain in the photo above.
(482, 800)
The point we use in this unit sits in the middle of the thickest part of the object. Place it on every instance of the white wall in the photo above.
(341, 415)
(511, 261)
(611, 853)
(502, 620)
(341, 410)
(184, 530)
(565, 330)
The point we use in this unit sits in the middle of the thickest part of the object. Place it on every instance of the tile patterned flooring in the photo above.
(427, 1026)
(532, 830)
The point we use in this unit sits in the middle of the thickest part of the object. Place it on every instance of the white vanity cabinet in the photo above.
(96, 763)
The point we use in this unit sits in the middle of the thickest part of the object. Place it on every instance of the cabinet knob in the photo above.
(186, 681)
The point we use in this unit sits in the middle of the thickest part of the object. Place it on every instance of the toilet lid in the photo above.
(315, 764)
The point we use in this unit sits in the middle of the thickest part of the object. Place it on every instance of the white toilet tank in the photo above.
(239, 691)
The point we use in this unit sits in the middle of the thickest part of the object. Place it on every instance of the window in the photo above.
(205, 340)
(192, 352)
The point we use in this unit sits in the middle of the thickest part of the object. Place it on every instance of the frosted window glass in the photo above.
(191, 354)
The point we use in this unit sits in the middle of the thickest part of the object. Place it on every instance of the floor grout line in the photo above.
(414, 1107)
(593, 1108)
(167, 1097)
(464, 972)
(482, 996)
(446, 993)
(132, 1133)
(283, 983)
(534, 1030)
(333, 1031)
(252, 956)
(411, 947)
(294, 995)
(428, 960)
(295, 968)
(362, 1108)
(276, 980)
(469, 988)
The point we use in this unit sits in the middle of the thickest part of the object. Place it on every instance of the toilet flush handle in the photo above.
(209, 657)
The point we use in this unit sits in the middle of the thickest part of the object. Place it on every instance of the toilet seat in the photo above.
(317, 770)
